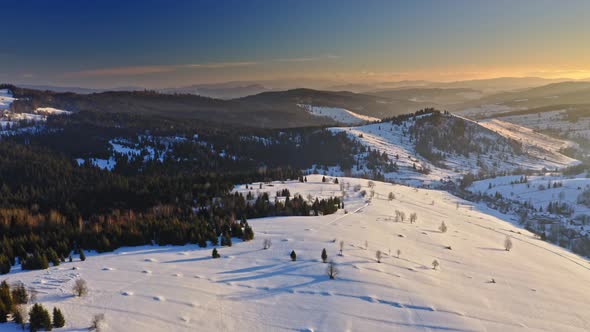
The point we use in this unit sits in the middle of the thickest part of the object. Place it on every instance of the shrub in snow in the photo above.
(366, 244)
(435, 264)
(443, 227)
(97, 322)
(507, 243)
(341, 247)
(18, 315)
(378, 256)
(293, 256)
(82, 255)
(332, 271)
(391, 196)
(413, 218)
(215, 254)
(266, 244)
(80, 288)
(399, 252)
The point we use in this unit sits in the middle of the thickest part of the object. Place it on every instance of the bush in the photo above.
(378, 255)
(332, 271)
(80, 288)
(97, 322)
(19, 314)
(82, 255)
(215, 254)
(435, 264)
(508, 243)
(293, 256)
(58, 318)
(443, 227)
(266, 244)
(324, 255)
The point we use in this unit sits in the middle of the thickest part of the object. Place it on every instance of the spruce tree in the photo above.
(39, 319)
(58, 318)
(82, 255)
(324, 255)
(248, 233)
(19, 294)
(293, 256)
(215, 254)
(3, 313)
(5, 297)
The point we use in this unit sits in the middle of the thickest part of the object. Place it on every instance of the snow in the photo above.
(106, 164)
(51, 111)
(338, 114)
(538, 286)
(6, 99)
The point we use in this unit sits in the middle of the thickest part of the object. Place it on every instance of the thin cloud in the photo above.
(308, 59)
(144, 70)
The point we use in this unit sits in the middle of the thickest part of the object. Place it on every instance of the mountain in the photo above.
(229, 90)
(438, 96)
(477, 284)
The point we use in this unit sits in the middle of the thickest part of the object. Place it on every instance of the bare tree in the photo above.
(33, 295)
(97, 322)
(332, 271)
(80, 288)
(507, 243)
(266, 244)
(399, 252)
(341, 247)
(443, 227)
(378, 255)
(366, 244)
(413, 217)
(371, 184)
(435, 264)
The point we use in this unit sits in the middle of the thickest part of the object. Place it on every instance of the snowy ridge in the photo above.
(477, 287)
(6, 99)
(338, 114)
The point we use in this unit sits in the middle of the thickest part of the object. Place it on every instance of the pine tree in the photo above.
(4, 264)
(19, 294)
(215, 254)
(3, 313)
(324, 255)
(293, 256)
(39, 319)
(5, 298)
(53, 257)
(82, 255)
(58, 318)
(248, 233)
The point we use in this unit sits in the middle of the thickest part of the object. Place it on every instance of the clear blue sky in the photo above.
(173, 43)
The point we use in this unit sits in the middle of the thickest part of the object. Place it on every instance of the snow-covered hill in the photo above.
(338, 114)
(477, 287)
(6, 99)
(495, 147)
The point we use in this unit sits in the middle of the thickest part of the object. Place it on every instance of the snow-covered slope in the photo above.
(6, 99)
(536, 144)
(491, 139)
(538, 286)
(338, 114)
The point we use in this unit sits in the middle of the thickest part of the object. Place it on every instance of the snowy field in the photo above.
(340, 115)
(538, 286)
(554, 120)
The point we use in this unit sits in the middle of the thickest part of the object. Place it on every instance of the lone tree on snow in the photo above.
(341, 247)
(366, 244)
(80, 288)
(378, 256)
(413, 217)
(508, 243)
(324, 255)
(435, 264)
(443, 227)
(97, 323)
(399, 252)
(332, 271)
(293, 255)
(391, 196)
(215, 254)
(266, 244)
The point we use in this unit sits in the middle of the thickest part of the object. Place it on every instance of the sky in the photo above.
(157, 44)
